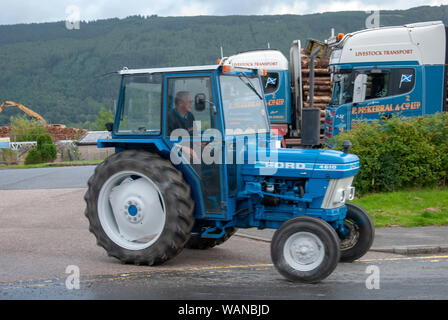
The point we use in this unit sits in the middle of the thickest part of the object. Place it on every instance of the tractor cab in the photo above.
(192, 116)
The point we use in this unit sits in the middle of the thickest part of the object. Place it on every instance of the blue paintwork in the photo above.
(301, 176)
(424, 99)
(371, 65)
(132, 210)
(306, 163)
(279, 102)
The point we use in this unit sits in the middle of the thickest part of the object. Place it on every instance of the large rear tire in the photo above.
(362, 233)
(139, 208)
(305, 249)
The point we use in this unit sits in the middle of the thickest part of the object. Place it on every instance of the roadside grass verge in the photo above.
(410, 208)
(49, 165)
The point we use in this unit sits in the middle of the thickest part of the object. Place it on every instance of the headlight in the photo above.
(338, 191)
(351, 194)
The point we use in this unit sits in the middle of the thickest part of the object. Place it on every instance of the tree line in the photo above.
(59, 73)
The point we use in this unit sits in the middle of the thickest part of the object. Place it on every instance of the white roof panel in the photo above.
(422, 42)
(171, 69)
(260, 59)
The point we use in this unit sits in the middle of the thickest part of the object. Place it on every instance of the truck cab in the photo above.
(275, 83)
(384, 72)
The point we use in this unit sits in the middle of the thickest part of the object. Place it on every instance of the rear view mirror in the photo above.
(359, 90)
(110, 126)
(199, 102)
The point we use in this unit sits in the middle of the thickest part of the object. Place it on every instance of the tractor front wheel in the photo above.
(362, 233)
(305, 249)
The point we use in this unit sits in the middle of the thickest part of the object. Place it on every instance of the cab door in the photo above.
(190, 105)
(385, 92)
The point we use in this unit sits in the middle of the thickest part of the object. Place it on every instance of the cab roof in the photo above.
(125, 71)
(424, 42)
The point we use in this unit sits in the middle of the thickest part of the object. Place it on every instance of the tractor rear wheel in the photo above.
(197, 242)
(305, 249)
(362, 233)
(139, 208)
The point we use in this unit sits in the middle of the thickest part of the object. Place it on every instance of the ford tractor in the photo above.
(195, 161)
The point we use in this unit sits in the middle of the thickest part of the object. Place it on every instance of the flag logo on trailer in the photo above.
(272, 81)
(405, 78)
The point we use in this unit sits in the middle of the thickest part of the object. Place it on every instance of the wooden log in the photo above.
(317, 87)
(316, 105)
(318, 94)
(318, 80)
(317, 64)
(317, 71)
(320, 99)
(318, 83)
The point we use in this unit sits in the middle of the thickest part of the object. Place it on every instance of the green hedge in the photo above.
(397, 154)
(48, 152)
(44, 152)
(43, 139)
(33, 157)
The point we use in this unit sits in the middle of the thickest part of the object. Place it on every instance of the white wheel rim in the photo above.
(304, 251)
(131, 210)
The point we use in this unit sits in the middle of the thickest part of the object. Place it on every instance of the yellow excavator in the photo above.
(24, 109)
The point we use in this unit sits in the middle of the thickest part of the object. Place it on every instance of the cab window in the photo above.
(402, 81)
(270, 82)
(142, 105)
(181, 110)
(377, 85)
(385, 83)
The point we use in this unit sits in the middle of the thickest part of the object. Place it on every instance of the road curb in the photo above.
(72, 164)
(414, 249)
(403, 250)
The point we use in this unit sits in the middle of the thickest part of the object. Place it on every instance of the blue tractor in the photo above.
(195, 160)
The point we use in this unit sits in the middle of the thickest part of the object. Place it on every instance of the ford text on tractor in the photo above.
(160, 192)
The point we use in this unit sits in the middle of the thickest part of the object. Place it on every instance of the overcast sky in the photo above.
(19, 11)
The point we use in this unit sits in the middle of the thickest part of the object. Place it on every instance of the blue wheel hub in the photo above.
(132, 210)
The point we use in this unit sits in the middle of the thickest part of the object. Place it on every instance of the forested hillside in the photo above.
(57, 72)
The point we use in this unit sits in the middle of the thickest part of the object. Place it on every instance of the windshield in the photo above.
(243, 104)
(142, 104)
(342, 89)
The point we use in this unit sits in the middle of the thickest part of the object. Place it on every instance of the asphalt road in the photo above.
(45, 178)
(423, 277)
(43, 231)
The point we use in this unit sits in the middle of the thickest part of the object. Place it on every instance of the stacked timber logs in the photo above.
(4, 131)
(61, 132)
(322, 85)
(57, 132)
